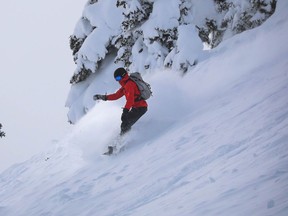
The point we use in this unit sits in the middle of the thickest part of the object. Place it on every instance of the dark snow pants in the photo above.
(131, 118)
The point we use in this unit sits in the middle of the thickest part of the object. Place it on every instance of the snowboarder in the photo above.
(135, 106)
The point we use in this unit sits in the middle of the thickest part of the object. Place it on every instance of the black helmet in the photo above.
(120, 72)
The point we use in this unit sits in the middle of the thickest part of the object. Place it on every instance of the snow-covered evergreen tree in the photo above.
(234, 17)
(146, 35)
(92, 38)
(136, 12)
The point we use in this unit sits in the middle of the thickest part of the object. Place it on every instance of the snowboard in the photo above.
(117, 146)
(113, 150)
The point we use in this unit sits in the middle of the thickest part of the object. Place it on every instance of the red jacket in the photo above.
(131, 92)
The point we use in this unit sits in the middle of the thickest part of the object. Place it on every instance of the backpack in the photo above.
(144, 88)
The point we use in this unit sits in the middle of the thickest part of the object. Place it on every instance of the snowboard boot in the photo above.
(110, 150)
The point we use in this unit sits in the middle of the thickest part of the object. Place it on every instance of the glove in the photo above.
(124, 114)
(100, 97)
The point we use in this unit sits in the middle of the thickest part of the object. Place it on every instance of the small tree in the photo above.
(93, 1)
(2, 133)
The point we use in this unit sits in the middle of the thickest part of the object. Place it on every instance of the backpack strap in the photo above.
(139, 98)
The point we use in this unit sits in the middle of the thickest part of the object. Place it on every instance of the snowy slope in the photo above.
(213, 144)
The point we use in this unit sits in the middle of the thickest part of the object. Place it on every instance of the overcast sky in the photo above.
(36, 65)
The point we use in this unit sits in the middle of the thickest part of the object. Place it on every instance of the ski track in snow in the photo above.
(228, 156)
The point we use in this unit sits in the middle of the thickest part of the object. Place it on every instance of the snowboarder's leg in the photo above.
(132, 117)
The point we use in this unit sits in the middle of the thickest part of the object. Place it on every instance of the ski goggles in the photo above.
(118, 78)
